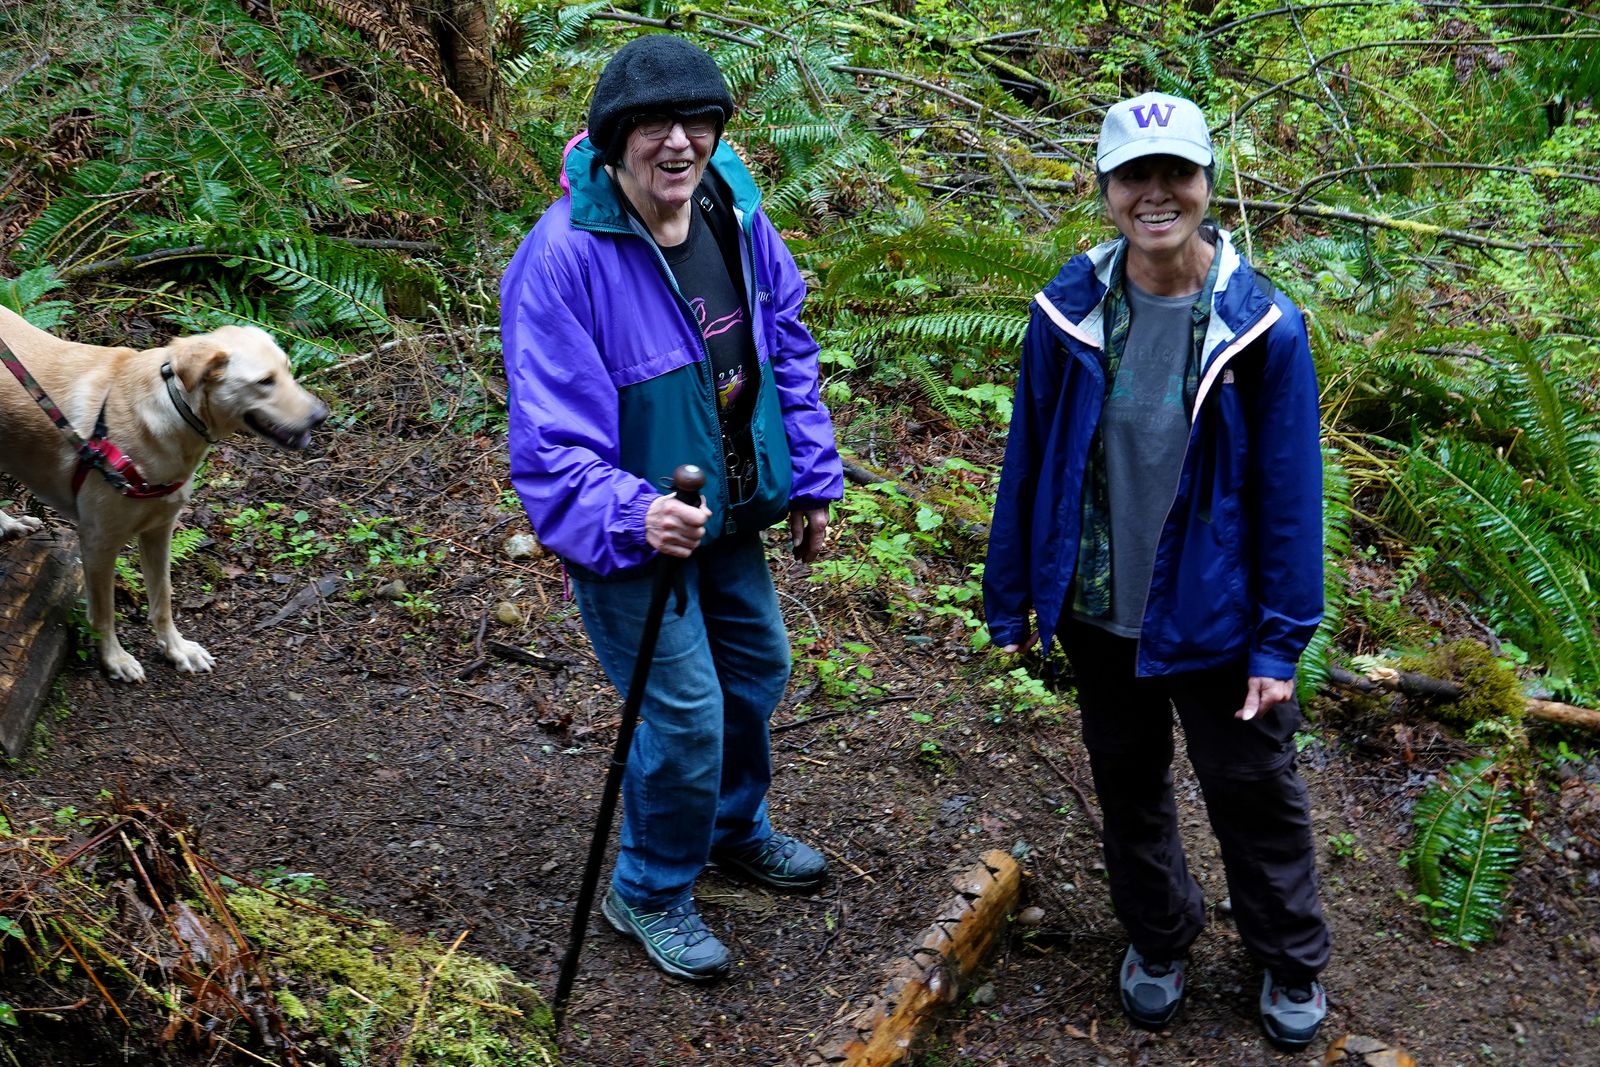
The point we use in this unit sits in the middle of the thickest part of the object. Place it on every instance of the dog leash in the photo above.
(97, 452)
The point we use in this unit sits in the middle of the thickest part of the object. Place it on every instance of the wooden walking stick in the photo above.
(687, 481)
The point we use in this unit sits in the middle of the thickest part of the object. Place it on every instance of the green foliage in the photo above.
(1020, 693)
(391, 547)
(1467, 848)
(915, 299)
(185, 543)
(1344, 846)
(1511, 540)
(211, 165)
(283, 536)
(24, 295)
(1488, 458)
(841, 671)
(1312, 673)
(372, 990)
(1385, 615)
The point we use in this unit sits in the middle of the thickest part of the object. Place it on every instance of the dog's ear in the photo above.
(195, 360)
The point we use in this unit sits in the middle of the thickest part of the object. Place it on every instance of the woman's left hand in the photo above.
(808, 533)
(1263, 694)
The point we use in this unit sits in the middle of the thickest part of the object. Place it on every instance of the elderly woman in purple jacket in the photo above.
(1160, 512)
(651, 319)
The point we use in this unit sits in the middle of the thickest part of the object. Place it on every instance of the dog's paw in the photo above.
(188, 656)
(122, 667)
(14, 526)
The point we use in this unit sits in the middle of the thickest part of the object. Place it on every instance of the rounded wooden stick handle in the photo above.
(687, 481)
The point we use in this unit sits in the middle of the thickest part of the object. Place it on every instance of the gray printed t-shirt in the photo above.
(1146, 430)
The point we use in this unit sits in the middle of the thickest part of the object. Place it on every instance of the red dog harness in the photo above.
(97, 452)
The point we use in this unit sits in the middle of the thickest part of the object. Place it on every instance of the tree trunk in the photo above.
(466, 45)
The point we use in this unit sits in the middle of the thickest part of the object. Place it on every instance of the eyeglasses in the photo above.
(657, 127)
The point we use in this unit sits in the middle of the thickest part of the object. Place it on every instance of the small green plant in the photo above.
(288, 536)
(68, 815)
(292, 883)
(1388, 618)
(185, 543)
(960, 602)
(84, 635)
(1020, 693)
(419, 604)
(1343, 846)
(840, 672)
(25, 294)
(392, 547)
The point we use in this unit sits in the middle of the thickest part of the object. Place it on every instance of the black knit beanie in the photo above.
(659, 74)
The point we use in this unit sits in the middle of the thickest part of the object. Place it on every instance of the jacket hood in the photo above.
(595, 205)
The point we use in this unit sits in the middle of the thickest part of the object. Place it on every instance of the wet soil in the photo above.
(381, 740)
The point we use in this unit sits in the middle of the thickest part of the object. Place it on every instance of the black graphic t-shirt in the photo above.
(702, 276)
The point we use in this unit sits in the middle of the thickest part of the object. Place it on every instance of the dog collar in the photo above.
(170, 376)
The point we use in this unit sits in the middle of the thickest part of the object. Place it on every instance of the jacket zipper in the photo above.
(703, 370)
(1243, 338)
(1212, 373)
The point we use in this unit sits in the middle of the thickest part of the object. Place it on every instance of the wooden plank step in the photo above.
(40, 583)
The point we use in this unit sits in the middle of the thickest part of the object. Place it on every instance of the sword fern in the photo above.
(1467, 848)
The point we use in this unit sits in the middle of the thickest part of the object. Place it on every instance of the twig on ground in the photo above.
(1072, 783)
(809, 721)
(526, 658)
(836, 854)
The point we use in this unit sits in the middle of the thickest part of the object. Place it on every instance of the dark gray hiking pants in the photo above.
(1257, 804)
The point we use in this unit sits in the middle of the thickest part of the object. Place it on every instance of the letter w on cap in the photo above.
(1155, 113)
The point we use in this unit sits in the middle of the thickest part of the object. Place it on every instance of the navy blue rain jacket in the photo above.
(1238, 568)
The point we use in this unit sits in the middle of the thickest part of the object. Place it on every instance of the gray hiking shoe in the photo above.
(780, 861)
(1152, 991)
(676, 940)
(1290, 1014)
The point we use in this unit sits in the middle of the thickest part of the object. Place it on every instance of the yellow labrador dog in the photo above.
(161, 408)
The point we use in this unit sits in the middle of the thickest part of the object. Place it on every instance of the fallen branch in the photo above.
(166, 255)
(526, 658)
(983, 55)
(1328, 177)
(1410, 683)
(930, 975)
(1420, 229)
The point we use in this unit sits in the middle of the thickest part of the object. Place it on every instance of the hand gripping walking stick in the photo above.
(687, 481)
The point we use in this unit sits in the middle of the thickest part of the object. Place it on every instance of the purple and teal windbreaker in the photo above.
(1238, 569)
(611, 387)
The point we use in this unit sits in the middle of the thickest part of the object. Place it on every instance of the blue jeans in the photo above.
(701, 759)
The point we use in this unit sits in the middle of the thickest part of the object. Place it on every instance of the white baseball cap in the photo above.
(1154, 124)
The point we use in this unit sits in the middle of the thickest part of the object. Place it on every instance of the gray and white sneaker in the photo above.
(781, 862)
(676, 940)
(1152, 990)
(1291, 1014)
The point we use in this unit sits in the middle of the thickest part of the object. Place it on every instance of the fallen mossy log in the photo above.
(1410, 683)
(123, 941)
(930, 975)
